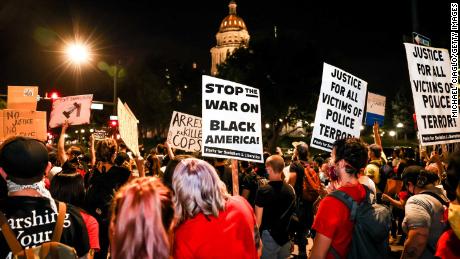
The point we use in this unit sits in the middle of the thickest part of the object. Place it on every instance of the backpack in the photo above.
(385, 171)
(371, 227)
(311, 185)
(50, 250)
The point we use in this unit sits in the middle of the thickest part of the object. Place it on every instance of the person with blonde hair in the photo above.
(211, 223)
(142, 216)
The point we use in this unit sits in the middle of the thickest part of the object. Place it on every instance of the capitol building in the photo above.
(232, 35)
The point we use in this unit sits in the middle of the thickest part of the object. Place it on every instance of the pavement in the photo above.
(396, 250)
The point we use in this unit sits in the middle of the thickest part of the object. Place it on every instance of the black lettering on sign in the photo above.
(242, 126)
(227, 139)
(347, 78)
(181, 120)
(340, 118)
(221, 105)
(227, 89)
(246, 107)
(438, 121)
(332, 133)
(436, 101)
(429, 54)
(427, 86)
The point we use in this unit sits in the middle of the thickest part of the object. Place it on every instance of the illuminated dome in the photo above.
(232, 22)
(232, 35)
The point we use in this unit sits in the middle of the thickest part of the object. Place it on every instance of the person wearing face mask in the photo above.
(424, 220)
(449, 242)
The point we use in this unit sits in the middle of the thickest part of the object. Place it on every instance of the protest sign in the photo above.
(429, 71)
(75, 109)
(22, 98)
(339, 113)
(231, 120)
(127, 126)
(100, 134)
(185, 132)
(22, 123)
(375, 109)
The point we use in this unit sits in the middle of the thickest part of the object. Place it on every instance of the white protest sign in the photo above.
(429, 71)
(75, 109)
(339, 113)
(185, 132)
(375, 109)
(127, 126)
(231, 120)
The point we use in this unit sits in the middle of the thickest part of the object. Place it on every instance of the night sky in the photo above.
(366, 38)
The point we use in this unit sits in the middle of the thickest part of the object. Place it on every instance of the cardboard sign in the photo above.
(100, 134)
(127, 126)
(185, 132)
(429, 71)
(22, 98)
(75, 109)
(339, 113)
(22, 123)
(375, 109)
(231, 120)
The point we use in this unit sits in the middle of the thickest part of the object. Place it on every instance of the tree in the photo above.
(402, 111)
(287, 71)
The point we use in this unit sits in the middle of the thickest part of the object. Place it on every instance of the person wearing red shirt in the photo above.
(210, 223)
(332, 222)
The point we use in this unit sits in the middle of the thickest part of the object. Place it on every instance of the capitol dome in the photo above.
(232, 22)
(232, 35)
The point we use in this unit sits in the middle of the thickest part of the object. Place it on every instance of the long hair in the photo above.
(142, 213)
(197, 189)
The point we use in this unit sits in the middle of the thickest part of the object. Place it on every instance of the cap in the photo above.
(23, 157)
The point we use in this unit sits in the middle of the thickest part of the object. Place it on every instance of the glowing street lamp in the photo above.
(392, 133)
(77, 53)
(399, 125)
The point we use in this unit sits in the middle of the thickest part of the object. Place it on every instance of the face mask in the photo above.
(454, 218)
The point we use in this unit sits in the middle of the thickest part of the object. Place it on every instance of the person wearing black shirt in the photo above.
(29, 207)
(274, 205)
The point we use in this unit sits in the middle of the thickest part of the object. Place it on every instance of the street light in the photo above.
(399, 125)
(77, 53)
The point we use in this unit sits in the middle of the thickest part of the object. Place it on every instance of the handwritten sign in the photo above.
(429, 71)
(75, 109)
(375, 109)
(127, 126)
(231, 120)
(100, 134)
(185, 132)
(339, 113)
(22, 98)
(22, 123)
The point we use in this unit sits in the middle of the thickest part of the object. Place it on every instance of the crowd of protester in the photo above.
(162, 205)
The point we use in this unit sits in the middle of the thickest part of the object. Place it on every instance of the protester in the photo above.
(449, 242)
(72, 152)
(141, 223)
(423, 221)
(274, 205)
(305, 212)
(332, 222)
(29, 207)
(153, 166)
(210, 222)
(105, 179)
(169, 171)
(249, 182)
(67, 186)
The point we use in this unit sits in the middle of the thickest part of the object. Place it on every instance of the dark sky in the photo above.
(366, 37)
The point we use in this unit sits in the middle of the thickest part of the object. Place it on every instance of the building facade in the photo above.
(232, 35)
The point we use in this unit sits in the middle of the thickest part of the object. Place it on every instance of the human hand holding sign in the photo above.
(377, 139)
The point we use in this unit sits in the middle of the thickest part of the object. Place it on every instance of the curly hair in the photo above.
(353, 151)
(142, 214)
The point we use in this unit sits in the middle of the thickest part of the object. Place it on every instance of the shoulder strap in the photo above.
(290, 206)
(10, 237)
(434, 195)
(59, 222)
(347, 200)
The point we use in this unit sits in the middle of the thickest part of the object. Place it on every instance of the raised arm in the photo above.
(377, 139)
(93, 150)
(62, 156)
(170, 152)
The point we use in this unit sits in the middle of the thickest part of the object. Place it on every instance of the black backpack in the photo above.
(385, 172)
(371, 227)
